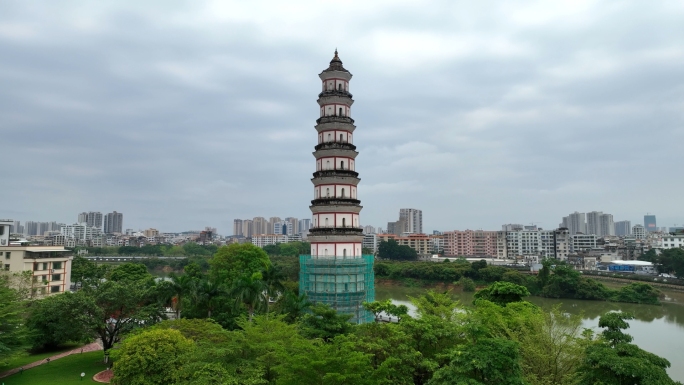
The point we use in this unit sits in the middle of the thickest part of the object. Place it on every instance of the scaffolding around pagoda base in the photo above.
(342, 282)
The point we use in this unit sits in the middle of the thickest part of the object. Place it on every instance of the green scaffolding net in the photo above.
(342, 282)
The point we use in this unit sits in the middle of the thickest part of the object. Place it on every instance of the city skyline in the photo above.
(479, 114)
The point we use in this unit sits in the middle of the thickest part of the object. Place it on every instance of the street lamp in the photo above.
(82, 375)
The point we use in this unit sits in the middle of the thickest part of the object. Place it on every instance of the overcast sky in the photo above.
(190, 114)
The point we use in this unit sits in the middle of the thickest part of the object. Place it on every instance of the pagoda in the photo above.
(336, 272)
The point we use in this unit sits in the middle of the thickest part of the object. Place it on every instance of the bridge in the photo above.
(127, 258)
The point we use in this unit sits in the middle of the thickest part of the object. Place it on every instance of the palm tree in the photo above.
(294, 305)
(206, 292)
(273, 278)
(250, 291)
(181, 286)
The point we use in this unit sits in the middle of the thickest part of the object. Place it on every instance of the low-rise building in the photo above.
(671, 242)
(50, 266)
(269, 239)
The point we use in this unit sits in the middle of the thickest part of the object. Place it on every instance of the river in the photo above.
(656, 328)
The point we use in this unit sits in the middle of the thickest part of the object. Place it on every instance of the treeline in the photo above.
(290, 249)
(188, 249)
(555, 280)
(669, 261)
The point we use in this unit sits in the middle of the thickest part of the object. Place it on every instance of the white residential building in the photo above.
(583, 242)
(671, 242)
(413, 220)
(370, 241)
(639, 232)
(269, 239)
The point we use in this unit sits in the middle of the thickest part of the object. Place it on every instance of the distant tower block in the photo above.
(336, 273)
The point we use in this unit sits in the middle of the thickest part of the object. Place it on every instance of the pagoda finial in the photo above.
(336, 57)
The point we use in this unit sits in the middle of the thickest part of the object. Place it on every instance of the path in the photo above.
(83, 349)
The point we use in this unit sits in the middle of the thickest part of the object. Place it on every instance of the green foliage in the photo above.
(637, 292)
(290, 249)
(391, 250)
(250, 291)
(492, 273)
(86, 272)
(494, 361)
(502, 293)
(235, 260)
(151, 357)
(436, 304)
(467, 284)
(56, 320)
(130, 272)
(11, 330)
(613, 360)
(387, 307)
(336, 363)
(670, 261)
(325, 323)
(116, 308)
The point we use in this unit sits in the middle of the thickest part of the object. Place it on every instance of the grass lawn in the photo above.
(65, 370)
(26, 357)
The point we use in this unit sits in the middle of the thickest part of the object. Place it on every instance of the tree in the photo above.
(613, 360)
(251, 292)
(494, 361)
(502, 293)
(181, 287)
(325, 323)
(130, 272)
(115, 308)
(206, 295)
(392, 250)
(86, 272)
(293, 306)
(671, 261)
(334, 363)
(386, 307)
(56, 320)
(151, 357)
(11, 330)
(230, 262)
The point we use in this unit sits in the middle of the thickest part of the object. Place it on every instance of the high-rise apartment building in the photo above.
(293, 227)
(623, 228)
(575, 223)
(259, 226)
(304, 225)
(413, 220)
(237, 228)
(606, 225)
(271, 225)
(113, 223)
(91, 218)
(369, 230)
(594, 222)
(247, 228)
(650, 223)
(512, 227)
(397, 228)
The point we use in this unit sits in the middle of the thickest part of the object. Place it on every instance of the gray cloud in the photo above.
(186, 114)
